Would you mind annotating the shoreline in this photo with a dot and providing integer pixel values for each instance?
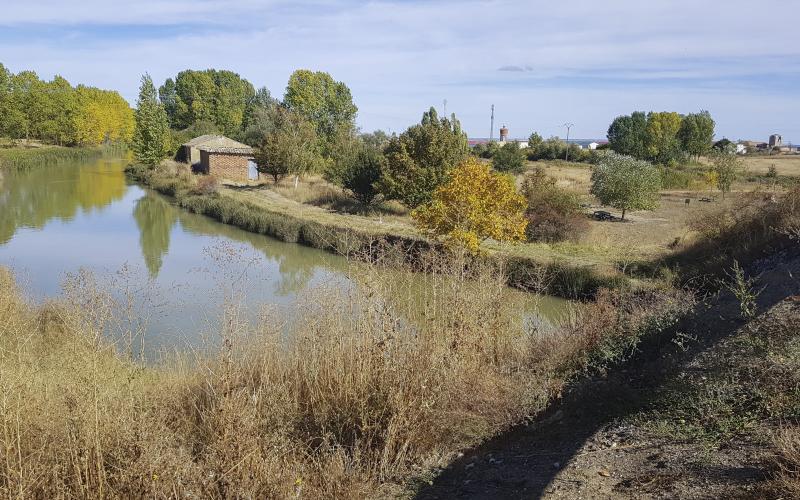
(558, 278)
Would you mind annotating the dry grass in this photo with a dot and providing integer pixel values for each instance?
(787, 478)
(372, 385)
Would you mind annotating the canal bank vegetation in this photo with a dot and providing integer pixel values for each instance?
(22, 158)
(357, 236)
(351, 399)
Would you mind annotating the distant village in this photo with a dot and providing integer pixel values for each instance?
(773, 145)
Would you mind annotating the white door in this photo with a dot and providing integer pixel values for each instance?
(252, 172)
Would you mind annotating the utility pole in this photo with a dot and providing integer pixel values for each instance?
(569, 126)
(491, 130)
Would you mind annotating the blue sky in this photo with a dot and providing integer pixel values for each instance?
(541, 63)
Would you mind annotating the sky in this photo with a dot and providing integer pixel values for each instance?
(541, 63)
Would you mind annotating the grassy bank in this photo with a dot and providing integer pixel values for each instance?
(24, 158)
(336, 404)
(360, 237)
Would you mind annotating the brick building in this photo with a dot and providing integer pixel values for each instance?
(235, 164)
(221, 157)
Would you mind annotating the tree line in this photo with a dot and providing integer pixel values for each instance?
(666, 138)
(55, 112)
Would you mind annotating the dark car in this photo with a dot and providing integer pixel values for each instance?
(602, 215)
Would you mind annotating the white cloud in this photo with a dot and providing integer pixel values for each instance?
(582, 61)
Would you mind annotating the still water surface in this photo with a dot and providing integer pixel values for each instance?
(181, 267)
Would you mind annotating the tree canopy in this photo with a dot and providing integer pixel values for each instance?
(662, 137)
(421, 158)
(291, 148)
(625, 183)
(697, 133)
(55, 112)
(218, 96)
(509, 158)
(151, 139)
(321, 100)
(475, 204)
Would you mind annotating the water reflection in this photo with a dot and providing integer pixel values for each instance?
(59, 219)
(32, 198)
(154, 218)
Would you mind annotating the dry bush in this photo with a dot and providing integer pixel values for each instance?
(756, 223)
(206, 185)
(371, 384)
(787, 477)
(553, 214)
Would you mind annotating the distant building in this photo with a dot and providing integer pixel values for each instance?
(503, 134)
(741, 149)
(593, 145)
(775, 141)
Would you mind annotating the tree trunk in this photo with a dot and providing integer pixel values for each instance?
(623, 214)
(296, 180)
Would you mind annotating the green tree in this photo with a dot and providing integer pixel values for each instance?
(5, 99)
(151, 139)
(535, 140)
(724, 144)
(421, 158)
(360, 178)
(377, 139)
(168, 95)
(509, 158)
(727, 168)
(697, 133)
(291, 148)
(627, 135)
(625, 183)
(321, 100)
(218, 96)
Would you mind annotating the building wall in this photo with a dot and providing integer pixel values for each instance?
(225, 165)
(192, 155)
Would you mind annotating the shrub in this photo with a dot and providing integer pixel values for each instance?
(553, 214)
(509, 158)
(360, 176)
(206, 185)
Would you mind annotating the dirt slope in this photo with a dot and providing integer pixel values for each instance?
(689, 417)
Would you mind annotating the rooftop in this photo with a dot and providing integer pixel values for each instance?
(213, 143)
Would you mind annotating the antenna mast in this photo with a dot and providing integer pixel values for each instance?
(491, 130)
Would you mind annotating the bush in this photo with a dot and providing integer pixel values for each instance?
(509, 158)
(553, 214)
(206, 184)
(361, 175)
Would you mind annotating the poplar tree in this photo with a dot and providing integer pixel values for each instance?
(151, 139)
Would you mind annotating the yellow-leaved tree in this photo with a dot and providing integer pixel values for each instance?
(474, 205)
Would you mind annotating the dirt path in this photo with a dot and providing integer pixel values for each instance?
(601, 440)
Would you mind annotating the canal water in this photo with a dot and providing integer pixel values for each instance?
(174, 270)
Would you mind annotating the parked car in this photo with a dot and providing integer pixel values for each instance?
(603, 215)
